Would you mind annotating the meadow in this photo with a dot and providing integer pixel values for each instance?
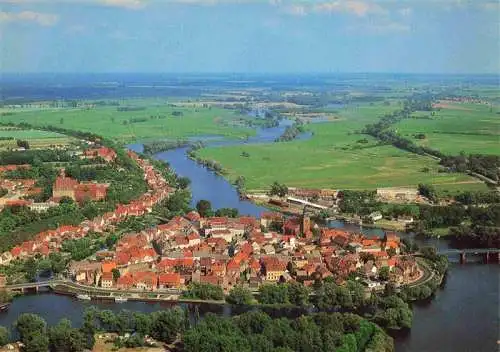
(455, 128)
(335, 157)
(146, 119)
(36, 138)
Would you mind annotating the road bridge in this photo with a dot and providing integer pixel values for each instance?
(488, 254)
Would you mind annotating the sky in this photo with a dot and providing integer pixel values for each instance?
(250, 36)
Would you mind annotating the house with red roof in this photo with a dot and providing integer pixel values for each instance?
(169, 280)
(104, 153)
(225, 234)
(146, 280)
(194, 239)
(4, 168)
(125, 282)
(16, 251)
(193, 216)
(69, 187)
(267, 218)
(108, 266)
(107, 280)
(233, 267)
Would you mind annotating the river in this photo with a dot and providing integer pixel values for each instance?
(462, 317)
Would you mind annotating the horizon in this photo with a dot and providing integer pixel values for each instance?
(250, 37)
(277, 74)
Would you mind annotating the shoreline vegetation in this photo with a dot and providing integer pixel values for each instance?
(153, 147)
(445, 171)
(250, 331)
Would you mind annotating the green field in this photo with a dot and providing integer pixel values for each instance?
(36, 138)
(111, 123)
(334, 158)
(471, 128)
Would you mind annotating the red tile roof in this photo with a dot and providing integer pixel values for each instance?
(169, 279)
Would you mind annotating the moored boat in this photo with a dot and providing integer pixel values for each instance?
(83, 297)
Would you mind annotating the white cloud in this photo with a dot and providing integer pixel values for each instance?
(129, 4)
(296, 10)
(43, 19)
(357, 8)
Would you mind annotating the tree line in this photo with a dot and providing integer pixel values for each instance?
(291, 132)
(487, 165)
(253, 331)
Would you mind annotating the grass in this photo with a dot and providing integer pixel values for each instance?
(471, 128)
(333, 158)
(445, 190)
(109, 122)
(36, 138)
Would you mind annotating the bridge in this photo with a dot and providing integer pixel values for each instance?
(487, 253)
(33, 285)
(306, 203)
(72, 287)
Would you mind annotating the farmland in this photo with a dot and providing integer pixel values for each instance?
(455, 128)
(137, 120)
(335, 157)
(36, 138)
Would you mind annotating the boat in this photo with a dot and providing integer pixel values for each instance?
(4, 307)
(121, 299)
(83, 297)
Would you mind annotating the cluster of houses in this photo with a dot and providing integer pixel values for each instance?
(78, 191)
(242, 251)
(51, 240)
(18, 192)
(105, 153)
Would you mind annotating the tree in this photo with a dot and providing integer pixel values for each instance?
(383, 273)
(326, 296)
(30, 269)
(357, 291)
(298, 294)
(278, 190)
(4, 336)
(229, 212)
(36, 342)
(167, 324)
(239, 295)
(204, 208)
(427, 191)
(204, 291)
(58, 262)
(23, 144)
(142, 323)
(253, 322)
(88, 327)
(45, 266)
(64, 338)
(183, 182)
(28, 323)
(32, 332)
(116, 274)
(273, 294)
